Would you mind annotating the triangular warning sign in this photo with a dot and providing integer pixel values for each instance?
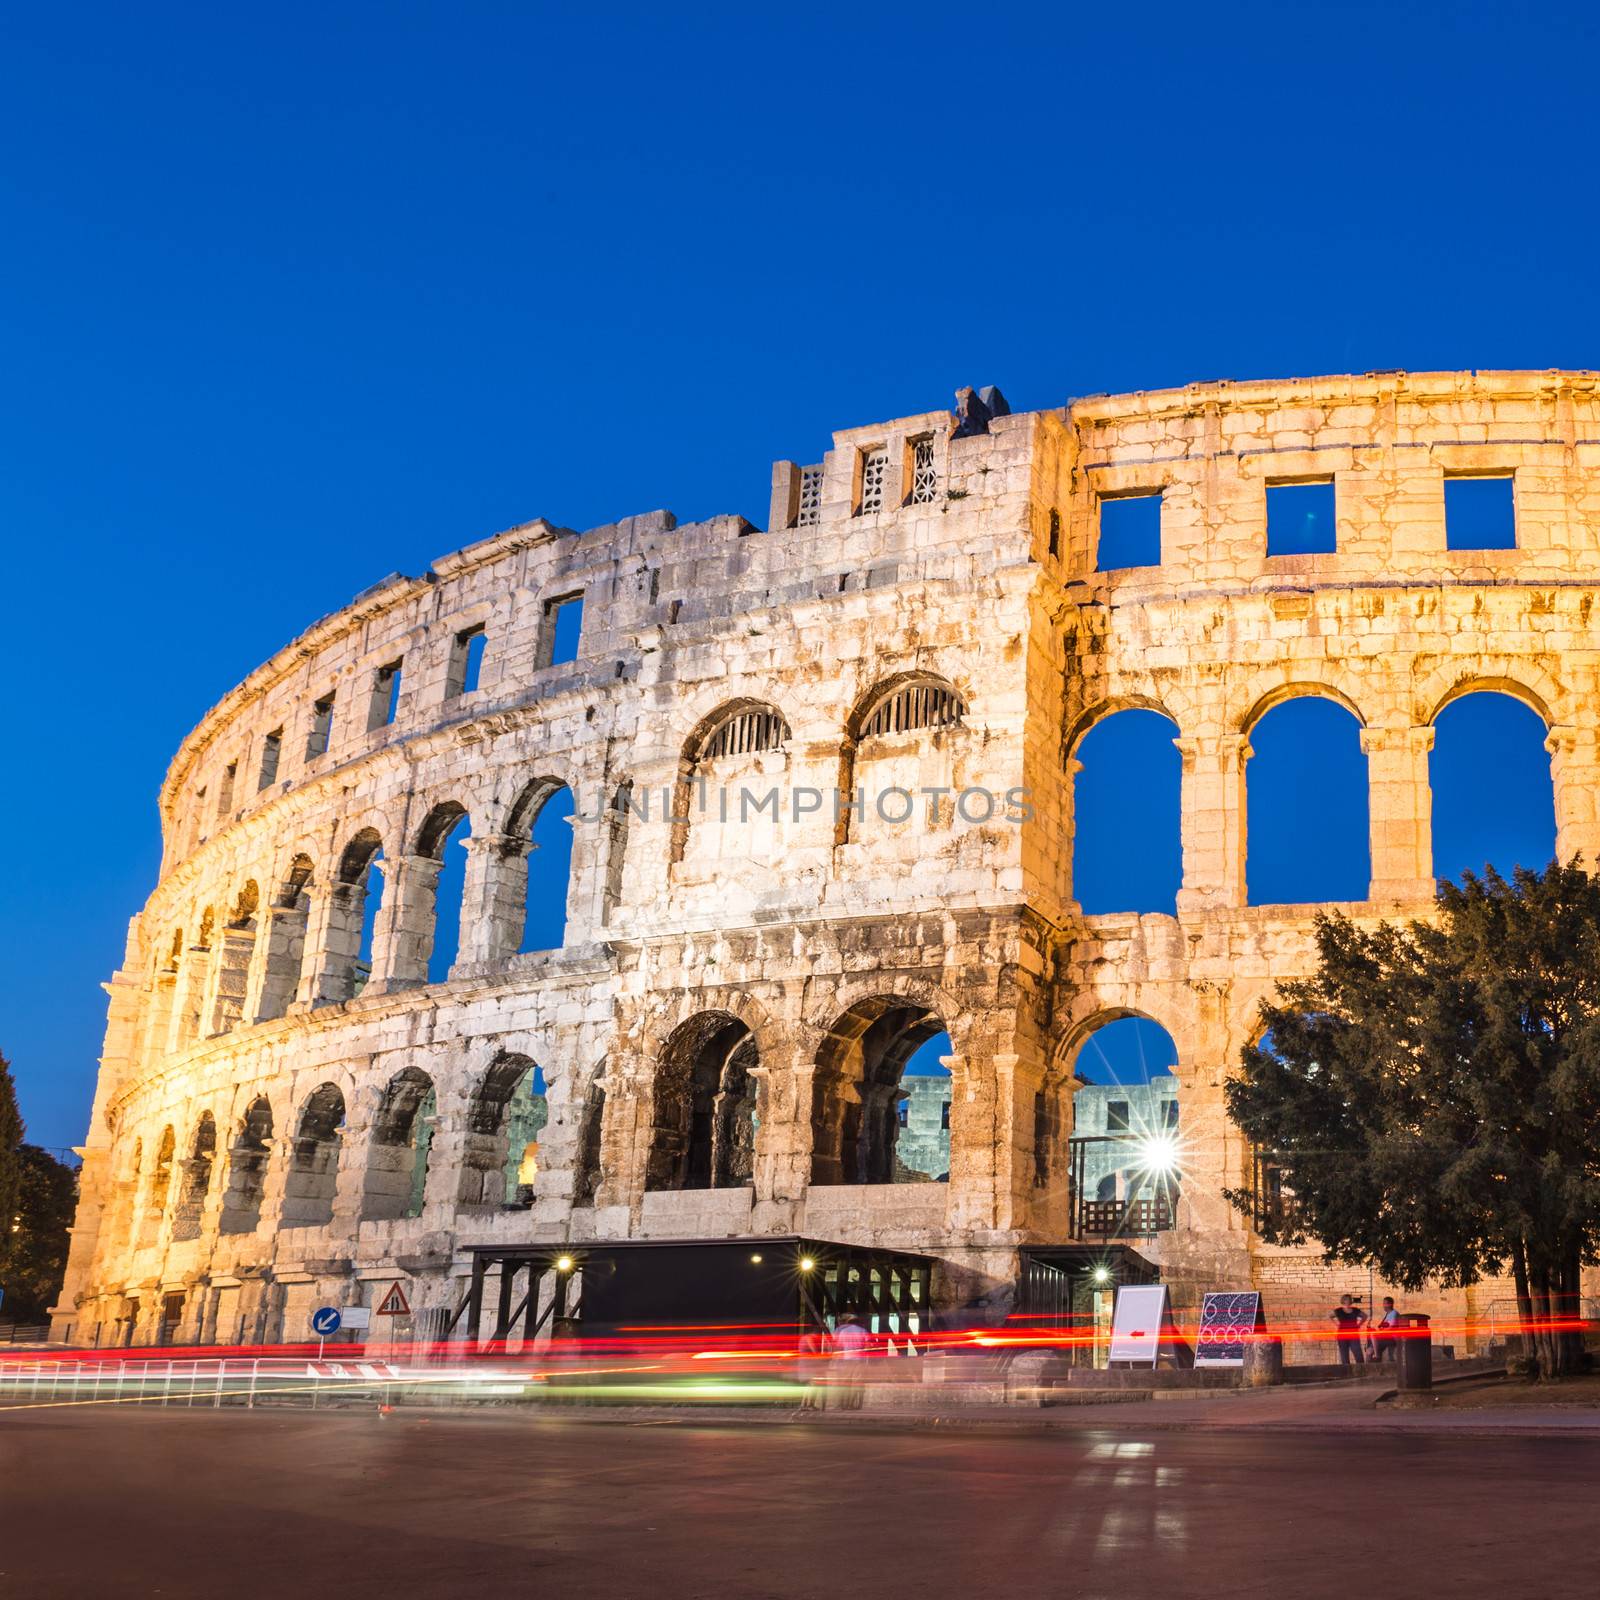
(394, 1303)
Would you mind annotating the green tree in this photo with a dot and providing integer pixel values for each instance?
(11, 1131)
(33, 1255)
(1431, 1095)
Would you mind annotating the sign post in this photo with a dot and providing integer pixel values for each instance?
(1229, 1319)
(1141, 1315)
(325, 1320)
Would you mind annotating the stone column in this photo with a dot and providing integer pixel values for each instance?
(783, 1144)
(1213, 821)
(1399, 813)
(1067, 804)
(494, 901)
(982, 1149)
(1575, 778)
(403, 937)
(280, 960)
(333, 940)
(235, 946)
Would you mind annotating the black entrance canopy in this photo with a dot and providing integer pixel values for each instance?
(1055, 1278)
(650, 1286)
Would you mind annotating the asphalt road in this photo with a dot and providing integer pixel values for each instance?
(406, 1507)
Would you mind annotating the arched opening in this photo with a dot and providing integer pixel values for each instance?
(922, 1115)
(1493, 801)
(549, 872)
(402, 1133)
(856, 1118)
(247, 1170)
(353, 917)
(286, 941)
(192, 977)
(443, 838)
(313, 1176)
(160, 1188)
(238, 945)
(894, 746)
(1126, 1144)
(196, 1184)
(705, 1106)
(1306, 806)
(507, 1114)
(588, 1171)
(1127, 846)
(724, 775)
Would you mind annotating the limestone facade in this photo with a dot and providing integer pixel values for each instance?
(720, 1032)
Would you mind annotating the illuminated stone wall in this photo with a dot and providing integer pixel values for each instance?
(912, 561)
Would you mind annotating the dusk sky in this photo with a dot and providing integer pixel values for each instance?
(295, 297)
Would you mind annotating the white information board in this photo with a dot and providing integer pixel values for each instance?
(1141, 1312)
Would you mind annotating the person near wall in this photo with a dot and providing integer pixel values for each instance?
(850, 1341)
(1385, 1330)
(1350, 1319)
(815, 1347)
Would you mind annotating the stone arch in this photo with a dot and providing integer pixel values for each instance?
(735, 731)
(1491, 777)
(1126, 812)
(1087, 720)
(284, 958)
(1307, 778)
(312, 1179)
(909, 701)
(195, 1182)
(354, 904)
(501, 1133)
(535, 868)
(1265, 692)
(1125, 1150)
(856, 1091)
(588, 1166)
(397, 1158)
(430, 913)
(235, 953)
(704, 1105)
(1519, 678)
(441, 821)
(159, 1190)
(247, 1169)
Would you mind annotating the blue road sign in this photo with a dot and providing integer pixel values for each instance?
(325, 1321)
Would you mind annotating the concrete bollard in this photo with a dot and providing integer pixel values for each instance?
(1263, 1363)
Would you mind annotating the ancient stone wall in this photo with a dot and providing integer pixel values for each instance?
(744, 937)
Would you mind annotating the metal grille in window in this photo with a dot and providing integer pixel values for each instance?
(918, 705)
(924, 481)
(744, 733)
(874, 467)
(810, 497)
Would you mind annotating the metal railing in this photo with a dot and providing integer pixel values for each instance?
(24, 1333)
(52, 1381)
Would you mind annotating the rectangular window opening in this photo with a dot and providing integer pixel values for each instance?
(466, 662)
(563, 624)
(1116, 1116)
(320, 733)
(1480, 513)
(1130, 531)
(230, 774)
(271, 751)
(385, 703)
(924, 480)
(810, 497)
(874, 470)
(1300, 519)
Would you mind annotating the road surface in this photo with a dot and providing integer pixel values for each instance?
(407, 1507)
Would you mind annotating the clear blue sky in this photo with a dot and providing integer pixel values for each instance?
(296, 296)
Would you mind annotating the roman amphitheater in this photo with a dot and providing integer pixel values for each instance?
(816, 787)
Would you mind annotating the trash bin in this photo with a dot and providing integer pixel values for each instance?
(1415, 1351)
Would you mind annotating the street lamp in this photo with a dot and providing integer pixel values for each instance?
(563, 1263)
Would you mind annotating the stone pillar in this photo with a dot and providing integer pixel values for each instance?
(1399, 813)
(403, 937)
(235, 946)
(333, 941)
(1575, 778)
(1213, 821)
(494, 901)
(783, 1143)
(982, 1150)
(1067, 811)
(191, 986)
(280, 959)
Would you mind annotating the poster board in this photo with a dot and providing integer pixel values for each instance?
(1141, 1313)
(1229, 1318)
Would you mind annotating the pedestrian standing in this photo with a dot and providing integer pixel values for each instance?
(814, 1349)
(1350, 1319)
(850, 1342)
(1380, 1343)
